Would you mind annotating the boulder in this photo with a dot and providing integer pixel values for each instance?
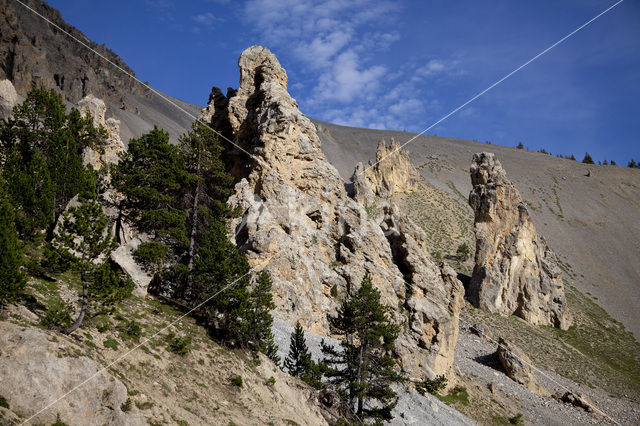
(8, 99)
(578, 400)
(518, 366)
(300, 225)
(515, 272)
(36, 372)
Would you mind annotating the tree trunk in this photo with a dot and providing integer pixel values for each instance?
(83, 311)
(194, 216)
(360, 361)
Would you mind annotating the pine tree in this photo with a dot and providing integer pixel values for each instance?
(362, 369)
(31, 191)
(206, 199)
(587, 159)
(40, 126)
(11, 278)
(298, 361)
(258, 335)
(632, 164)
(84, 232)
(520, 146)
(573, 158)
(298, 358)
(152, 177)
(613, 163)
(221, 273)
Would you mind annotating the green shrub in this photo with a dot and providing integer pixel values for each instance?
(57, 315)
(109, 284)
(237, 381)
(516, 420)
(144, 405)
(112, 343)
(56, 261)
(178, 345)
(151, 254)
(432, 386)
(463, 252)
(334, 290)
(457, 394)
(102, 323)
(126, 406)
(129, 330)
(270, 381)
(4, 403)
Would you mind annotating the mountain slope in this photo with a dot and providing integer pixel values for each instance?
(591, 222)
(34, 53)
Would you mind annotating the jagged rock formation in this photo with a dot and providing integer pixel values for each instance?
(515, 272)
(34, 371)
(518, 366)
(97, 108)
(384, 178)
(8, 99)
(316, 242)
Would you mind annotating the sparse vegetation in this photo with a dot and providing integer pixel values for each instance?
(236, 381)
(111, 343)
(432, 386)
(178, 345)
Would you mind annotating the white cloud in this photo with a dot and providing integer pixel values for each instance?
(407, 107)
(206, 19)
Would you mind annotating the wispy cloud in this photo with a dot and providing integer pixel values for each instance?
(336, 42)
(205, 20)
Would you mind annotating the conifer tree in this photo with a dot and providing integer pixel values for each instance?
(298, 361)
(298, 358)
(40, 126)
(258, 335)
(632, 164)
(362, 369)
(587, 159)
(207, 197)
(520, 146)
(84, 232)
(573, 157)
(11, 278)
(152, 177)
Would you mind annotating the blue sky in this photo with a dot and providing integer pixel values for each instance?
(403, 65)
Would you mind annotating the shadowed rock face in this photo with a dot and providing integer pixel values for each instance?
(515, 273)
(317, 243)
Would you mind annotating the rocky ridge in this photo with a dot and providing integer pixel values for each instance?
(515, 272)
(299, 224)
(385, 178)
(114, 145)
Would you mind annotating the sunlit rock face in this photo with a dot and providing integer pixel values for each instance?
(515, 272)
(299, 223)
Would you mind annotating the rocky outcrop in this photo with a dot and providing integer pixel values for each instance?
(518, 366)
(394, 175)
(299, 223)
(35, 372)
(578, 400)
(114, 145)
(8, 99)
(515, 272)
(36, 54)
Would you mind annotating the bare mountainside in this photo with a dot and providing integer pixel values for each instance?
(34, 53)
(591, 222)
